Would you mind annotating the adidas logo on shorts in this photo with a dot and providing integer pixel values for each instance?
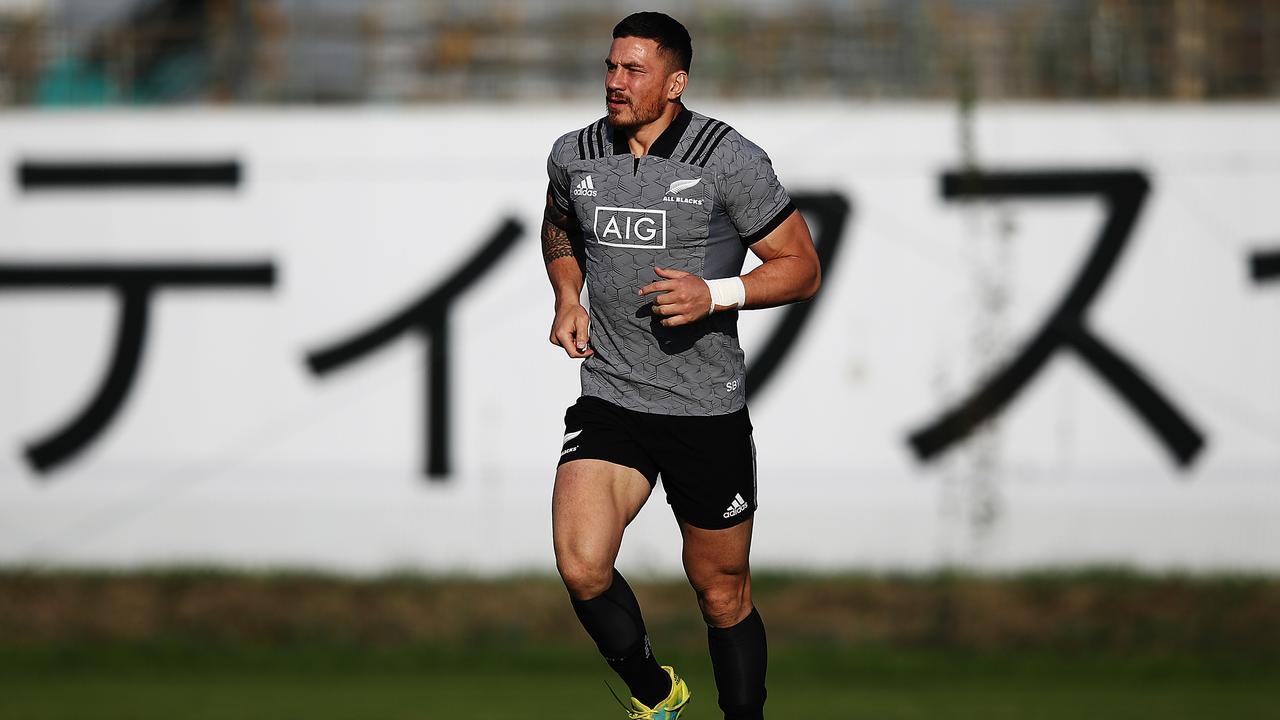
(586, 188)
(736, 507)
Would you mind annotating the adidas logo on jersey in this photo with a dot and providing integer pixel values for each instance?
(736, 507)
(586, 188)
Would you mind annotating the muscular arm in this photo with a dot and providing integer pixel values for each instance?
(789, 272)
(562, 252)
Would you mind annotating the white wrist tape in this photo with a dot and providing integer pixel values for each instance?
(727, 292)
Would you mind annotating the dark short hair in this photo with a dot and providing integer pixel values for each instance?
(661, 28)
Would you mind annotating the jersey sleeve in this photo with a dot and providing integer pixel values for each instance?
(558, 176)
(750, 192)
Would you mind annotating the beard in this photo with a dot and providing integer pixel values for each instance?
(635, 113)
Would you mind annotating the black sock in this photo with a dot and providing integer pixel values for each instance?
(613, 620)
(739, 657)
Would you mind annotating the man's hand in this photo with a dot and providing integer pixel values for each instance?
(562, 251)
(570, 330)
(684, 297)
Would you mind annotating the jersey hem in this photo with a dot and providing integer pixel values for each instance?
(621, 401)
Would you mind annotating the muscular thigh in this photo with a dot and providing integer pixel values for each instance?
(712, 556)
(719, 569)
(603, 480)
(592, 503)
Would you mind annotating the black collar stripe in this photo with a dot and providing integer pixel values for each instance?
(670, 138)
(600, 139)
(619, 142)
(666, 143)
(696, 138)
(582, 150)
(713, 127)
(711, 150)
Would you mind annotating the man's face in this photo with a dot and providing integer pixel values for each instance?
(637, 82)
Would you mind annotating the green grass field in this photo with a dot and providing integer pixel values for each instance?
(213, 646)
(332, 684)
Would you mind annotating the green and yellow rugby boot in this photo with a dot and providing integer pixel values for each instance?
(670, 708)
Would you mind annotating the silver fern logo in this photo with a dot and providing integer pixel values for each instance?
(680, 186)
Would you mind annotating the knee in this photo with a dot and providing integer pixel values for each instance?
(584, 579)
(724, 604)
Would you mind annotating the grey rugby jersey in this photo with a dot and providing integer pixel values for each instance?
(694, 203)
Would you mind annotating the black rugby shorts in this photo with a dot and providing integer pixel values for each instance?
(707, 463)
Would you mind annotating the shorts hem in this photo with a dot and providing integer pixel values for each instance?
(653, 480)
(719, 523)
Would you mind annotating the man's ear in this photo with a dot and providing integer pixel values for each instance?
(676, 83)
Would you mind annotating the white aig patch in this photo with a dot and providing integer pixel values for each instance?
(631, 227)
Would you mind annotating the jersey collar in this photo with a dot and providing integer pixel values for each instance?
(666, 143)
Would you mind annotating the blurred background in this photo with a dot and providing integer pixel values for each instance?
(96, 52)
(278, 417)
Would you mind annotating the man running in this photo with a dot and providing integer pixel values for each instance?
(653, 207)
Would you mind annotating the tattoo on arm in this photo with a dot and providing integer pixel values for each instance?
(557, 240)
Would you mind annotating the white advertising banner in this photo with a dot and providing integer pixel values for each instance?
(318, 339)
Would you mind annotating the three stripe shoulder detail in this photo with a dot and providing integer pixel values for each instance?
(705, 143)
(591, 141)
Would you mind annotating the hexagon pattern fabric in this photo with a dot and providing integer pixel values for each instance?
(694, 203)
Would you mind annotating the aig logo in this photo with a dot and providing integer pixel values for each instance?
(631, 227)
